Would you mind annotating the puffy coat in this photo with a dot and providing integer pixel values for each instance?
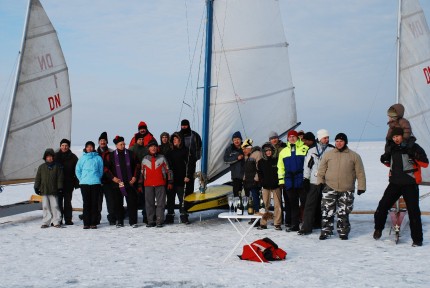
(156, 171)
(290, 165)
(250, 178)
(49, 179)
(236, 166)
(268, 171)
(340, 169)
(312, 161)
(89, 169)
(406, 170)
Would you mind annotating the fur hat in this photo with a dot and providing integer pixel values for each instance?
(236, 135)
(342, 136)
(309, 136)
(247, 143)
(103, 136)
(292, 133)
(273, 135)
(142, 125)
(48, 152)
(322, 133)
(268, 146)
(396, 131)
(66, 141)
(118, 139)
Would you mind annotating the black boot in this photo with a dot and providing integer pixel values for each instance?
(170, 219)
(184, 219)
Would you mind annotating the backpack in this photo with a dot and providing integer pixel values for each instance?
(265, 248)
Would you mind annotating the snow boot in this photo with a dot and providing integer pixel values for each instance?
(377, 234)
(417, 244)
(184, 219)
(170, 219)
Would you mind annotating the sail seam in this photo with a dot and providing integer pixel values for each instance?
(283, 44)
(40, 34)
(40, 119)
(256, 97)
(416, 64)
(41, 77)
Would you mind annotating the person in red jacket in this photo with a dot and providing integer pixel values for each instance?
(143, 130)
(156, 174)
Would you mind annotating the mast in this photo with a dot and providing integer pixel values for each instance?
(207, 87)
(15, 88)
(399, 23)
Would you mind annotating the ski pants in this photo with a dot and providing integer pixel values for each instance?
(51, 210)
(313, 204)
(296, 196)
(152, 194)
(343, 203)
(90, 199)
(411, 195)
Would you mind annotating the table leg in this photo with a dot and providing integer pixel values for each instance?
(242, 239)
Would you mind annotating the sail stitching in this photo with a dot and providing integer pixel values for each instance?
(40, 34)
(258, 96)
(44, 76)
(282, 45)
(40, 119)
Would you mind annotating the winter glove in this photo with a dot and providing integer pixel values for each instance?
(37, 191)
(359, 192)
(306, 184)
(385, 159)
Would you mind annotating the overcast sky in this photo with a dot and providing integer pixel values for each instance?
(129, 61)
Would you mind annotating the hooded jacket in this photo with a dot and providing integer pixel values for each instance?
(250, 178)
(290, 164)
(401, 122)
(89, 169)
(268, 170)
(179, 160)
(236, 166)
(49, 178)
(312, 161)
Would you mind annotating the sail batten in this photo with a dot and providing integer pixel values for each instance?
(277, 45)
(41, 107)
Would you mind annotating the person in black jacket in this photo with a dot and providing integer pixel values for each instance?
(67, 159)
(405, 174)
(233, 156)
(193, 143)
(179, 160)
(268, 176)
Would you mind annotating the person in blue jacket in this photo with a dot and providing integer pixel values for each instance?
(89, 171)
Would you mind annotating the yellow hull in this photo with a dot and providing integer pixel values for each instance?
(215, 197)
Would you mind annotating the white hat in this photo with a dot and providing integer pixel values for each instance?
(322, 133)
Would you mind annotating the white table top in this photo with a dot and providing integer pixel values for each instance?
(233, 215)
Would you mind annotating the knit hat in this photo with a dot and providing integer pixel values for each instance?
(236, 135)
(273, 135)
(65, 141)
(48, 152)
(342, 136)
(152, 142)
(322, 133)
(118, 139)
(142, 125)
(396, 131)
(185, 122)
(103, 136)
(309, 136)
(247, 143)
(292, 133)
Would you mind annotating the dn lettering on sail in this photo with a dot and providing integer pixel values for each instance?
(45, 61)
(54, 103)
(417, 27)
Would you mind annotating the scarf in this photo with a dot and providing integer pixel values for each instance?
(118, 170)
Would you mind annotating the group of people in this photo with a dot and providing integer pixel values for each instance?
(142, 174)
(311, 181)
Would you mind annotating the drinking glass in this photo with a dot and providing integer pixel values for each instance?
(245, 202)
(230, 202)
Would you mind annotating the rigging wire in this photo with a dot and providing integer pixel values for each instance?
(372, 106)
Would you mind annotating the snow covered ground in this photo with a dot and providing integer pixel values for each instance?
(191, 256)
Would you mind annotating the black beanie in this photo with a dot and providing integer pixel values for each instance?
(65, 141)
(103, 136)
(90, 143)
(152, 142)
(396, 131)
(185, 122)
(342, 136)
(309, 136)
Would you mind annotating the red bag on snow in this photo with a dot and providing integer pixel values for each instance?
(265, 248)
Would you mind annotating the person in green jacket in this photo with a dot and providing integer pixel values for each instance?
(48, 183)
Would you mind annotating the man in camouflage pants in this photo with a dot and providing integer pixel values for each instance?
(338, 170)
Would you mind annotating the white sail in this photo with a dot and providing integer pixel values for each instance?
(41, 107)
(252, 88)
(414, 73)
